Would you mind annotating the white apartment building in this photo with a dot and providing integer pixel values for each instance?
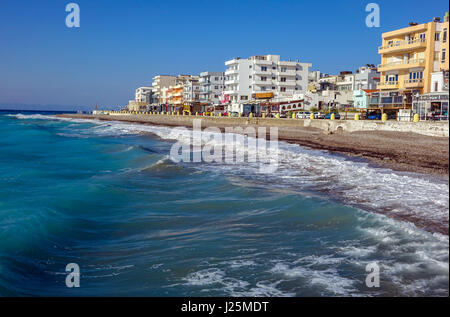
(264, 77)
(144, 94)
(367, 77)
(160, 82)
(212, 85)
(191, 91)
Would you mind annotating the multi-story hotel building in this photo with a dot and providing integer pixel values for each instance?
(264, 77)
(144, 94)
(408, 58)
(174, 97)
(367, 77)
(191, 91)
(160, 82)
(212, 85)
(185, 91)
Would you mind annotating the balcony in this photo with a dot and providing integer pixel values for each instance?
(231, 62)
(262, 62)
(414, 83)
(289, 72)
(231, 72)
(232, 82)
(402, 46)
(262, 72)
(290, 83)
(388, 85)
(230, 92)
(402, 65)
(262, 82)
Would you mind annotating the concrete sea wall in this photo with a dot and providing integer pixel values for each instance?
(437, 129)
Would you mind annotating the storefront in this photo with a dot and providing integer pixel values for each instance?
(431, 106)
(389, 102)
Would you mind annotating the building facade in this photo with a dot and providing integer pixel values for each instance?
(160, 82)
(264, 77)
(144, 94)
(408, 58)
(434, 105)
(212, 84)
(367, 77)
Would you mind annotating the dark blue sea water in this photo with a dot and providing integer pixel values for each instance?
(105, 195)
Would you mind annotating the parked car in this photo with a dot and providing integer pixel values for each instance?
(303, 115)
(283, 115)
(336, 115)
(235, 114)
(374, 116)
(318, 115)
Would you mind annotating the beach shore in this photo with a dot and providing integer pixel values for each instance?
(401, 151)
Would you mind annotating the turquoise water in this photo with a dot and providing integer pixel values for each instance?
(106, 196)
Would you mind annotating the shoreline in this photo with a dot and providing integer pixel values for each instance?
(399, 151)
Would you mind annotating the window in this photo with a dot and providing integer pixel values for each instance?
(216, 87)
(436, 36)
(274, 78)
(273, 67)
(443, 56)
(283, 79)
(250, 76)
(263, 78)
(283, 69)
(263, 68)
(283, 89)
(273, 87)
(244, 97)
(249, 66)
(422, 36)
(444, 36)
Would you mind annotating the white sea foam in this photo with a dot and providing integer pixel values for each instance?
(205, 277)
(402, 249)
(217, 278)
(355, 183)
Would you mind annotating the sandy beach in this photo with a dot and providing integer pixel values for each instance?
(401, 151)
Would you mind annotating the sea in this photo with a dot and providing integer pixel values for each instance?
(107, 197)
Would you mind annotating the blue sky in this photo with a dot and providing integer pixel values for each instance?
(122, 44)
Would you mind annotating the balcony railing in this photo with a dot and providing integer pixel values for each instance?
(262, 82)
(412, 43)
(267, 72)
(400, 64)
(287, 83)
(418, 82)
(232, 81)
(287, 73)
(231, 71)
(388, 84)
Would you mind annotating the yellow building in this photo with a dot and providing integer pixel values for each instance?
(408, 57)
